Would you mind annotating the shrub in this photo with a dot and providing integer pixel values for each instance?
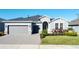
(70, 28)
(43, 34)
(1, 33)
(58, 32)
(65, 33)
(70, 33)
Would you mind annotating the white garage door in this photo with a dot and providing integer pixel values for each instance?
(18, 30)
(76, 28)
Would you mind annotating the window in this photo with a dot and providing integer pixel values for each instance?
(61, 25)
(56, 25)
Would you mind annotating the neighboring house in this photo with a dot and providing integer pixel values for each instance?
(33, 24)
(75, 25)
(1, 25)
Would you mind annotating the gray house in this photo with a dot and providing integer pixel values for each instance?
(2, 25)
(75, 25)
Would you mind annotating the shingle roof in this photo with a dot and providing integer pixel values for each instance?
(31, 18)
(74, 22)
(1, 19)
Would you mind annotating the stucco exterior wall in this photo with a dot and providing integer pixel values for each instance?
(52, 24)
(47, 19)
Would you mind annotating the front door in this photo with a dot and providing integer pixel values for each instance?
(45, 25)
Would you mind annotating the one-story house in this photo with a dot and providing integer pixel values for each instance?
(75, 25)
(33, 24)
(1, 25)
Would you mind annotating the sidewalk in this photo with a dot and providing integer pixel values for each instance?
(23, 46)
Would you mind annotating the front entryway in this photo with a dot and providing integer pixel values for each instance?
(45, 25)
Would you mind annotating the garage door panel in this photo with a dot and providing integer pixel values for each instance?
(18, 30)
(76, 28)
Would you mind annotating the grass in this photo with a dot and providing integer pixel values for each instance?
(61, 40)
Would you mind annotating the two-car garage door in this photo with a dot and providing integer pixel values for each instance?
(18, 30)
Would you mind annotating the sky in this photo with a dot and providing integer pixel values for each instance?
(68, 14)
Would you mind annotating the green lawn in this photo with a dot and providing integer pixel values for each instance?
(61, 40)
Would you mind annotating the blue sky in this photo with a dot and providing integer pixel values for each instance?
(69, 14)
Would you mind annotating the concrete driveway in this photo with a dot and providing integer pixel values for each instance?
(20, 39)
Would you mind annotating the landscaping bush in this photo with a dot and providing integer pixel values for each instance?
(70, 28)
(58, 32)
(1, 33)
(70, 33)
(43, 34)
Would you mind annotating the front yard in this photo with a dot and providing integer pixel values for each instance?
(61, 40)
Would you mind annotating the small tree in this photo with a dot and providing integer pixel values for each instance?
(70, 28)
(44, 33)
